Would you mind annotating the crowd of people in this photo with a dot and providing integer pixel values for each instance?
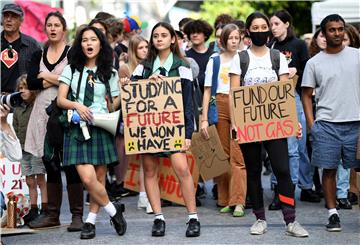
(85, 75)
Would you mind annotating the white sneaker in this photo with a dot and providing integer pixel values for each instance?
(259, 227)
(142, 202)
(296, 230)
(149, 209)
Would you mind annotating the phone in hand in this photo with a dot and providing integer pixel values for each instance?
(233, 134)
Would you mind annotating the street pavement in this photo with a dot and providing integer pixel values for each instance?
(216, 228)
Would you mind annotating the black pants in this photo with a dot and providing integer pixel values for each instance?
(279, 159)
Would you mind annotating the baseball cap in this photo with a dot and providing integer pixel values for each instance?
(14, 8)
(130, 25)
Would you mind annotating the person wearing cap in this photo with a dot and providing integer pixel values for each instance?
(16, 47)
(131, 27)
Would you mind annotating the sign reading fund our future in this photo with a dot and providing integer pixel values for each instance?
(153, 116)
(264, 112)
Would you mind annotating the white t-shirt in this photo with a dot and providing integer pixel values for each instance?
(336, 80)
(260, 68)
(223, 85)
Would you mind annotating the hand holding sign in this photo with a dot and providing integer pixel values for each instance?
(153, 116)
(265, 111)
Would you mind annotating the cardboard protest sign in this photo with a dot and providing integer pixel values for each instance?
(210, 156)
(153, 116)
(168, 182)
(265, 111)
(11, 177)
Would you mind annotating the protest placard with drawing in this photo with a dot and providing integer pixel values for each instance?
(265, 111)
(153, 116)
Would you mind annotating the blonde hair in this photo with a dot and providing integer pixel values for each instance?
(133, 59)
(21, 81)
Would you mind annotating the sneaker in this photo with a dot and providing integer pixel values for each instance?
(296, 230)
(259, 227)
(149, 209)
(334, 223)
(352, 197)
(87, 231)
(193, 229)
(239, 211)
(142, 202)
(118, 219)
(309, 196)
(158, 228)
(344, 203)
(226, 209)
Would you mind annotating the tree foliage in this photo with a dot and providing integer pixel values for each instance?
(300, 10)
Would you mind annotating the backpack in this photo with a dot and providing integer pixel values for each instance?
(245, 60)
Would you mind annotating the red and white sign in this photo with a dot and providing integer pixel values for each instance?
(5, 57)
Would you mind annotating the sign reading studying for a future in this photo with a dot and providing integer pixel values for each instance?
(264, 112)
(153, 116)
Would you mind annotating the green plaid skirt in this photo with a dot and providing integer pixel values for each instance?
(100, 149)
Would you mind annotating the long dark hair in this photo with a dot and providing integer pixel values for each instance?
(285, 16)
(153, 52)
(77, 58)
(62, 20)
(253, 16)
(59, 16)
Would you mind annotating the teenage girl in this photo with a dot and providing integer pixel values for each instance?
(91, 61)
(232, 185)
(165, 60)
(260, 71)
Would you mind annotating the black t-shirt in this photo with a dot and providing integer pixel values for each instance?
(296, 53)
(202, 60)
(9, 64)
(120, 48)
(33, 82)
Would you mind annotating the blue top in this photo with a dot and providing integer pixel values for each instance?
(99, 103)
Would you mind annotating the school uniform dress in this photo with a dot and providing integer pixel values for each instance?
(100, 148)
(172, 67)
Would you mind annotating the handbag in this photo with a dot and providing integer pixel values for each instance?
(213, 117)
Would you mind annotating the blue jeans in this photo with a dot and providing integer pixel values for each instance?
(342, 182)
(300, 168)
(306, 170)
(294, 149)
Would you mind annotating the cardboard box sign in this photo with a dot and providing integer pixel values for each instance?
(168, 181)
(264, 112)
(209, 154)
(153, 116)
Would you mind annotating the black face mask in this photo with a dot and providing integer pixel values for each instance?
(259, 38)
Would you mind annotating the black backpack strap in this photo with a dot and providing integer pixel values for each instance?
(107, 86)
(78, 85)
(275, 60)
(244, 65)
